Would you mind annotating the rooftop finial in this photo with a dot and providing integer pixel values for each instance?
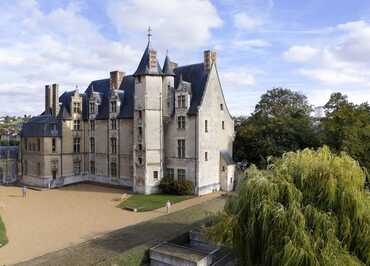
(149, 34)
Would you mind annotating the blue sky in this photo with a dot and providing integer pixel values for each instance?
(313, 46)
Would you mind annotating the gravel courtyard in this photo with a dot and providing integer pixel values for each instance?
(50, 220)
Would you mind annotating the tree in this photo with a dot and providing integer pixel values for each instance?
(346, 127)
(281, 122)
(308, 208)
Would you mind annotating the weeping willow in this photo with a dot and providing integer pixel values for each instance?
(309, 208)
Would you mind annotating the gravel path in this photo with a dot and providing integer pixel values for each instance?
(52, 220)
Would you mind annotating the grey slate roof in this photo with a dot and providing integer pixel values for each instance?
(64, 114)
(197, 76)
(12, 151)
(42, 126)
(167, 67)
(126, 93)
(143, 68)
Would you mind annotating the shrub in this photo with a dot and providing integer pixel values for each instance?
(175, 187)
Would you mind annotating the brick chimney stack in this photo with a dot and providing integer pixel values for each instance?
(209, 59)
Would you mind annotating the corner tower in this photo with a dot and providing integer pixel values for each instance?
(148, 124)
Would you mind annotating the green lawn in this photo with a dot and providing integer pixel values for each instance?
(3, 238)
(145, 203)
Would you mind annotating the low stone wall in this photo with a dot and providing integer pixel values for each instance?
(68, 180)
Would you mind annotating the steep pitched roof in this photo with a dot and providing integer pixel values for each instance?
(197, 76)
(42, 126)
(143, 68)
(125, 93)
(168, 67)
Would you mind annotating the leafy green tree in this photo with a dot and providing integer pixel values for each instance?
(346, 127)
(281, 122)
(308, 208)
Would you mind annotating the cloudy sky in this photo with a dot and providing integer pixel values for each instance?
(312, 46)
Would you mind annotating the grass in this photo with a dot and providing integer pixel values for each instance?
(3, 238)
(145, 203)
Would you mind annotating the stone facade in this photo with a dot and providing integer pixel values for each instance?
(134, 130)
(8, 164)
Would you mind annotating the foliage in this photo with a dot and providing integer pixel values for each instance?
(3, 237)
(145, 203)
(346, 127)
(176, 187)
(281, 122)
(308, 208)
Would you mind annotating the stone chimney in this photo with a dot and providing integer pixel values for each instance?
(52, 99)
(55, 99)
(209, 59)
(48, 98)
(116, 78)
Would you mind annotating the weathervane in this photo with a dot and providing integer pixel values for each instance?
(149, 33)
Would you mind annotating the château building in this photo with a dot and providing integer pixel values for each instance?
(133, 130)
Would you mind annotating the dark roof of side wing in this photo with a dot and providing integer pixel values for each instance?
(42, 126)
(197, 76)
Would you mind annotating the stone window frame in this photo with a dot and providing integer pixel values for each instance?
(181, 122)
(92, 145)
(76, 145)
(113, 145)
(170, 172)
(181, 174)
(77, 125)
(53, 145)
(181, 148)
(155, 175)
(113, 123)
(113, 169)
(92, 167)
(92, 125)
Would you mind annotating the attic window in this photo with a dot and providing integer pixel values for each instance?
(181, 101)
(76, 107)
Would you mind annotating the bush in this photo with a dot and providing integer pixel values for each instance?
(175, 187)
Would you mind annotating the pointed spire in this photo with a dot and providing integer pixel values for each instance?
(149, 64)
(168, 66)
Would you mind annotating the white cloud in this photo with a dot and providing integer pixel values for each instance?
(249, 22)
(251, 44)
(237, 78)
(300, 53)
(343, 58)
(175, 23)
(61, 46)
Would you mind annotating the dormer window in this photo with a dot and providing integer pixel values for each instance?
(77, 107)
(113, 105)
(181, 101)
